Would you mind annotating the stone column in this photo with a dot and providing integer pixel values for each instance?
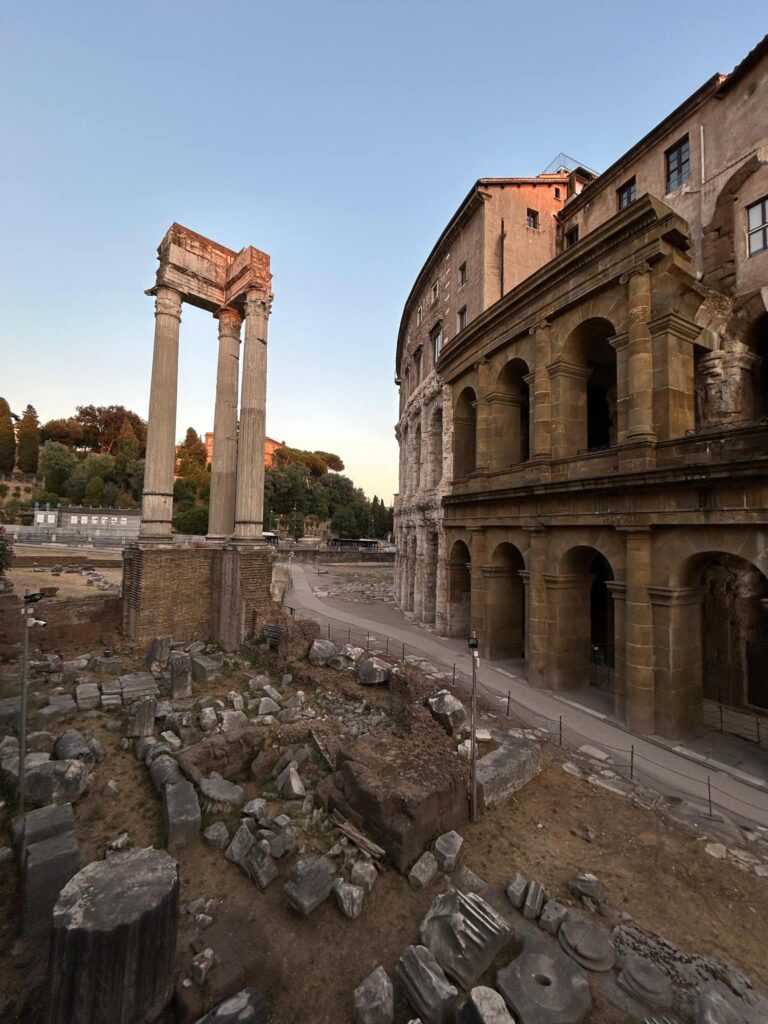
(479, 595)
(249, 500)
(678, 659)
(538, 609)
(483, 416)
(541, 442)
(640, 361)
(638, 634)
(420, 567)
(221, 519)
(618, 594)
(569, 649)
(441, 588)
(157, 496)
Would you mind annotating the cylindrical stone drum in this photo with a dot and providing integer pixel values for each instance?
(114, 940)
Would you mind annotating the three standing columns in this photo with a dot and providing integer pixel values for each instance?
(221, 517)
(157, 495)
(249, 498)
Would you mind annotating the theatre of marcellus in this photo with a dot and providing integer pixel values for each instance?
(583, 374)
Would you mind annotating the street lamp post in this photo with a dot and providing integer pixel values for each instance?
(472, 644)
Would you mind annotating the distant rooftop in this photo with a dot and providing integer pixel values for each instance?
(563, 162)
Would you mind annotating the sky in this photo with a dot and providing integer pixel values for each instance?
(337, 136)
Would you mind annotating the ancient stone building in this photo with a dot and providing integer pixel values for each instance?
(601, 502)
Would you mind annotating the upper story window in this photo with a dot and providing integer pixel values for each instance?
(462, 274)
(678, 164)
(571, 237)
(419, 315)
(461, 318)
(417, 365)
(436, 337)
(557, 192)
(627, 194)
(757, 227)
(532, 219)
(435, 291)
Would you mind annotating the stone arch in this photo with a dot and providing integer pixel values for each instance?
(505, 597)
(459, 590)
(588, 392)
(465, 434)
(509, 404)
(584, 640)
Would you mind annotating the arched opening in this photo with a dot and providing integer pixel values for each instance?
(465, 434)
(734, 632)
(510, 412)
(459, 590)
(506, 604)
(589, 399)
(757, 343)
(583, 636)
(436, 448)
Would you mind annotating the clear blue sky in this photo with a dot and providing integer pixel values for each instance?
(337, 136)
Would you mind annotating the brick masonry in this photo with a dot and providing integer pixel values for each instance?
(71, 623)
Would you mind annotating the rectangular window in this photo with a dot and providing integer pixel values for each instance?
(417, 365)
(73, 519)
(627, 194)
(532, 219)
(123, 520)
(557, 192)
(571, 237)
(419, 315)
(113, 520)
(51, 519)
(94, 520)
(462, 318)
(434, 291)
(436, 336)
(83, 520)
(757, 227)
(678, 164)
(105, 520)
(462, 274)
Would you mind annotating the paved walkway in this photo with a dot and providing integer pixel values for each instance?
(740, 795)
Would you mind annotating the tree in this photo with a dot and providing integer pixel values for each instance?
(126, 452)
(136, 479)
(344, 523)
(94, 492)
(102, 424)
(7, 439)
(191, 453)
(110, 494)
(29, 441)
(6, 551)
(332, 461)
(56, 464)
(191, 520)
(66, 431)
(100, 465)
(74, 486)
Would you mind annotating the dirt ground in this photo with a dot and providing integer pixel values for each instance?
(653, 869)
(70, 584)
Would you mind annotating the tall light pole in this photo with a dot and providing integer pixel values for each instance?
(27, 611)
(472, 644)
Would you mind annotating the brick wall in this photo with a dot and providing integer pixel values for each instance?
(168, 590)
(72, 623)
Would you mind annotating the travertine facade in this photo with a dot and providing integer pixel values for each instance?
(603, 510)
(219, 587)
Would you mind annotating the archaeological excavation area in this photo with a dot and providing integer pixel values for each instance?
(283, 834)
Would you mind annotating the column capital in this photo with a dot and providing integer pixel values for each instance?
(167, 302)
(229, 320)
(638, 270)
(258, 302)
(545, 324)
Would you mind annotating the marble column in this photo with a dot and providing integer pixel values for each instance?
(249, 500)
(157, 496)
(221, 519)
(541, 442)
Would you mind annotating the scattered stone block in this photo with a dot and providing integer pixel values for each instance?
(219, 795)
(208, 719)
(72, 745)
(310, 884)
(373, 672)
(349, 898)
(449, 711)
(589, 888)
(201, 965)
(164, 771)
(646, 981)
(241, 843)
(543, 986)
(232, 721)
(205, 669)
(88, 696)
(259, 864)
(181, 814)
(217, 835)
(55, 782)
(141, 717)
(516, 891)
(423, 871)
(464, 934)
(268, 707)
(61, 708)
(245, 1007)
(257, 808)
(448, 850)
(375, 999)
(321, 651)
(484, 1006)
(171, 739)
(552, 916)
(425, 985)
(586, 943)
(535, 898)
(364, 874)
(507, 769)
(136, 685)
(47, 866)
(289, 782)
(465, 880)
(44, 823)
(107, 664)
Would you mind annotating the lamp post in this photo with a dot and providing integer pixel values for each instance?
(472, 644)
(27, 612)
